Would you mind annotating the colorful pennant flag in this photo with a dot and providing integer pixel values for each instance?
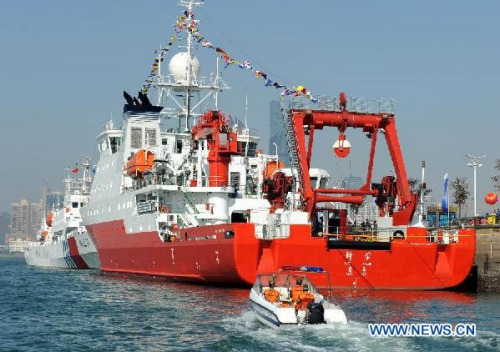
(186, 21)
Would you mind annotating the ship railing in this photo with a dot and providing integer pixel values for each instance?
(184, 221)
(357, 234)
(354, 104)
(200, 81)
(439, 236)
(244, 131)
(442, 236)
(368, 233)
(216, 179)
(188, 201)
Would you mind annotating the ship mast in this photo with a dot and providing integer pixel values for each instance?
(87, 178)
(189, 64)
(186, 82)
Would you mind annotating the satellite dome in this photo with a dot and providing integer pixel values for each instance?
(179, 63)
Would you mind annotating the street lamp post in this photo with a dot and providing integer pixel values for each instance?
(277, 159)
(475, 165)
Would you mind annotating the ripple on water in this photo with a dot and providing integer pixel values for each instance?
(60, 310)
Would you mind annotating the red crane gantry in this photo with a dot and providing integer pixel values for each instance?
(308, 121)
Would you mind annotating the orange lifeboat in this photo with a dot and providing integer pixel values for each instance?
(49, 219)
(272, 166)
(141, 161)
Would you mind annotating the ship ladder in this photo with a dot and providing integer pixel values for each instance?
(292, 145)
(189, 201)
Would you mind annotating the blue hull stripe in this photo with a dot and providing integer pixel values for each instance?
(265, 317)
(67, 257)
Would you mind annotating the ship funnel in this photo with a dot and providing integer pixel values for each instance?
(184, 68)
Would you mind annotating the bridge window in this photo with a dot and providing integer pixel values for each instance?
(178, 146)
(235, 179)
(151, 136)
(238, 217)
(136, 138)
(252, 149)
(223, 139)
(115, 144)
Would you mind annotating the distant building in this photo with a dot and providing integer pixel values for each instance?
(277, 133)
(51, 200)
(26, 218)
(17, 245)
(4, 226)
(352, 182)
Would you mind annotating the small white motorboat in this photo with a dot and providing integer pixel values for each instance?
(288, 297)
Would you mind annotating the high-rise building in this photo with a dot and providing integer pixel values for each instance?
(51, 200)
(4, 226)
(352, 182)
(26, 218)
(277, 136)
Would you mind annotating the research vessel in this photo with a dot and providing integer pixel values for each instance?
(63, 241)
(183, 192)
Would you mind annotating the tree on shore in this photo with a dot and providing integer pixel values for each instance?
(415, 186)
(496, 178)
(460, 192)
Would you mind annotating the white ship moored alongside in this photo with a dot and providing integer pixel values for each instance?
(63, 241)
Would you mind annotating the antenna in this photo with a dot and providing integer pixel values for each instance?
(246, 106)
(217, 78)
(246, 125)
(189, 63)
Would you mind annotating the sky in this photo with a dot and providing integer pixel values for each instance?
(64, 65)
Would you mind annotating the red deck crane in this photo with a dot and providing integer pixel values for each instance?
(222, 143)
(307, 122)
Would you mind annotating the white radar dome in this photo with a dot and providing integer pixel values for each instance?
(179, 65)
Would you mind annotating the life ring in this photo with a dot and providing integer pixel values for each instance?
(164, 209)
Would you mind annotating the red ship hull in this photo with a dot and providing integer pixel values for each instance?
(207, 254)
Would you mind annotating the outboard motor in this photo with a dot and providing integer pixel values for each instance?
(316, 313)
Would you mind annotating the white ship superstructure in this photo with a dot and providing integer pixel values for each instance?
(63, 241)
(187, 175)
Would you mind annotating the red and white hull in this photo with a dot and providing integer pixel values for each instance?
(208, 254)
(76, 252)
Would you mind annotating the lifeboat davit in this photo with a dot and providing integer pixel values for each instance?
(140, 162)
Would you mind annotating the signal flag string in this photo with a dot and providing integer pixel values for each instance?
(187, 22)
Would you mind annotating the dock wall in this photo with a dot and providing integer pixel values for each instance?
(487, 258)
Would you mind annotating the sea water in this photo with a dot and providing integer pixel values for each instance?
(71, 310)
